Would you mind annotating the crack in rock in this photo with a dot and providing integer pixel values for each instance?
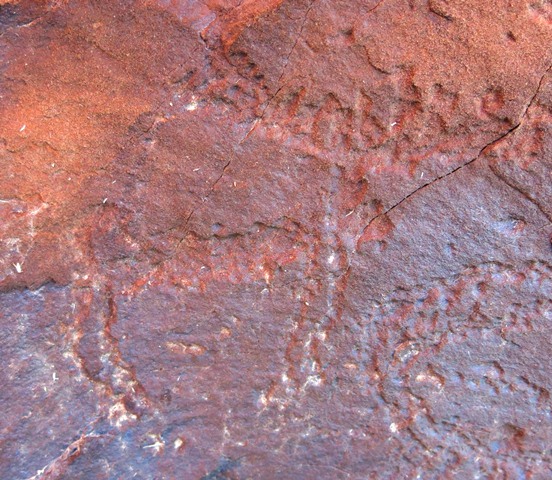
(482, 151)
(282, 73)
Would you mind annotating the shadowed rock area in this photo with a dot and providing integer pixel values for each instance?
(275, 239)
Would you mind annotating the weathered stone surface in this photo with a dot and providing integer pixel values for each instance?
(275, 239)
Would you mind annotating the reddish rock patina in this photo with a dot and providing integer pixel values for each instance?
(275, 239)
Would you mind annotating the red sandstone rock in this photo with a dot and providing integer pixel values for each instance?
(275, 239)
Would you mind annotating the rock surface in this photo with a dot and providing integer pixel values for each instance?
(275, 239)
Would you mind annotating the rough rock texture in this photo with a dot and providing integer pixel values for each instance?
(275, 239)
